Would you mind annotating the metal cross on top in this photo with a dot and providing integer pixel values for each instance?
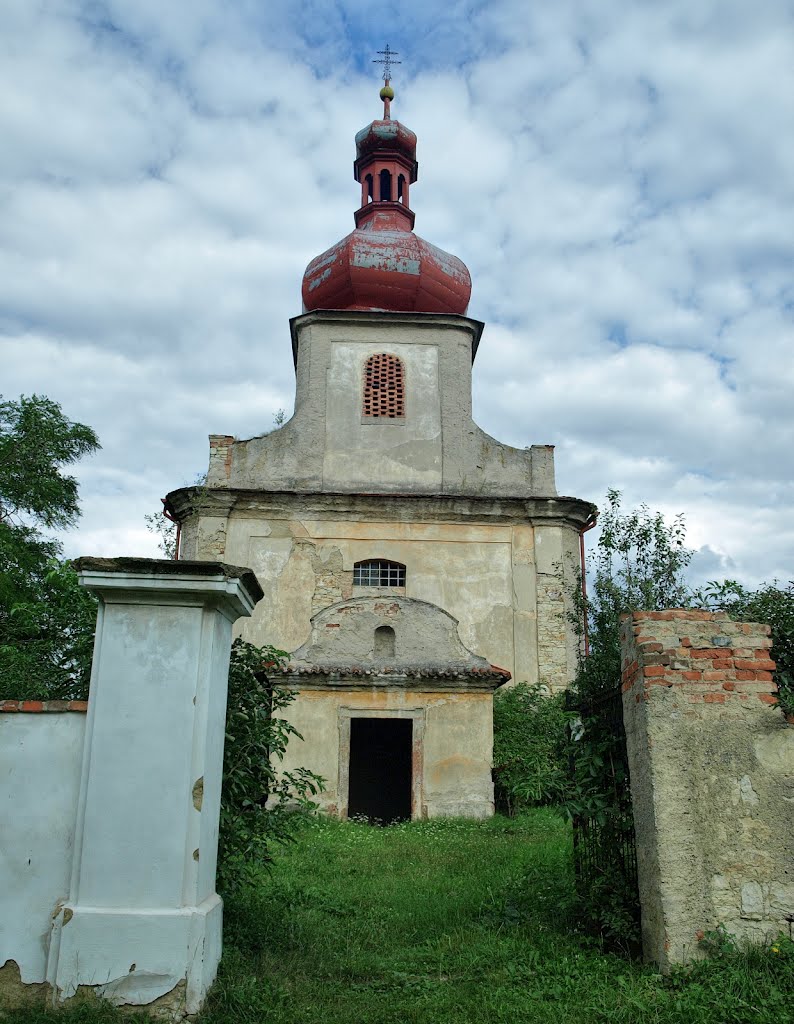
(387, 62)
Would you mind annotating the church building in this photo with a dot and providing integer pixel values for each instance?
(410, 562)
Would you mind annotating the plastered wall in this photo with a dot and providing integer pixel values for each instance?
(41, 749)
(509, 586)
(456, 746)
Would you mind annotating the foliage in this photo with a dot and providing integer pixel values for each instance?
(638, 564)
(165, 531)
(258, 801)
(530, 765)
(46, 632)
(46, 619)
(36, 441)
(771, 604)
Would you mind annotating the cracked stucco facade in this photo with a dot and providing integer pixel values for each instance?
(478, 524)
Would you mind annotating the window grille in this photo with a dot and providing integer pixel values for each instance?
(384, 387)
(378, 573)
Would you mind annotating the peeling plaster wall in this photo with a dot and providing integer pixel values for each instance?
(325, 446)
(457, 746)
(712, 780)
(40, 759)
(405, 452)
(508, 585)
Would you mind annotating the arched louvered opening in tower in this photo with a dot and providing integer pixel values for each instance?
(384, 388)
(385, 186)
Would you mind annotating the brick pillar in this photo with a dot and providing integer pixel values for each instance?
(712, 780)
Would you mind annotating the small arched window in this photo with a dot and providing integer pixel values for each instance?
(377, 572)
(368, 182)
(400, 188)
(384, 642)
(384, 387)
(385, 186)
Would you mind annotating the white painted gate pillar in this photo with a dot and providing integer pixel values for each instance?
(143, 920)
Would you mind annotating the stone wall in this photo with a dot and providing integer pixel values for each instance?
(712, 780)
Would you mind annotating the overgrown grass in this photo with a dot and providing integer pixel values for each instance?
(451, 921)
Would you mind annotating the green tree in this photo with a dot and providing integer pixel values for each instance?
(46, 620)
(639, 564)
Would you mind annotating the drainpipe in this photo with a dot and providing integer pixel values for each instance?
(588, 525)
(178, 525)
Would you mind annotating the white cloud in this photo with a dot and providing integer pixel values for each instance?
(619, 179)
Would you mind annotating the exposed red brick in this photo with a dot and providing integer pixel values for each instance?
(765, 664)
(723, 663)
(714, 698)
(768, 698)
(655, 670)
(691, 675)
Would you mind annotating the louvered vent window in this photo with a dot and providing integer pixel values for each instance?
(378, 573)
(384, 387)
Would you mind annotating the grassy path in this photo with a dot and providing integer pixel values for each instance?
(451, 921)
(445, 922)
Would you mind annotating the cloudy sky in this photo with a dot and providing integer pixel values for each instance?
(618, 176)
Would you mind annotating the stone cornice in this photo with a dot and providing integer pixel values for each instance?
(368, 316)
(256, 504)
(421, 677)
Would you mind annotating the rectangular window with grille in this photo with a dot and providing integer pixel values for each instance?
(378, 573)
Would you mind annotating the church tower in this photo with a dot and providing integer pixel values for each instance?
(382, 488)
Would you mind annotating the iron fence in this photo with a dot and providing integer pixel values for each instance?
(605, 850)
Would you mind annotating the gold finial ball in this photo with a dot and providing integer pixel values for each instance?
(387, 93)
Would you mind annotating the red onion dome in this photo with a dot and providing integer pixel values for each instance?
(383, 265)
(377, 267)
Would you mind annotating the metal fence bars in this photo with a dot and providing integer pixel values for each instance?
(604, 843)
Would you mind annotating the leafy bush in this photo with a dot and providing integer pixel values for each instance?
(258, 802)
(530, 762)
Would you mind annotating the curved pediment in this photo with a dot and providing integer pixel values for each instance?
(385, 630)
